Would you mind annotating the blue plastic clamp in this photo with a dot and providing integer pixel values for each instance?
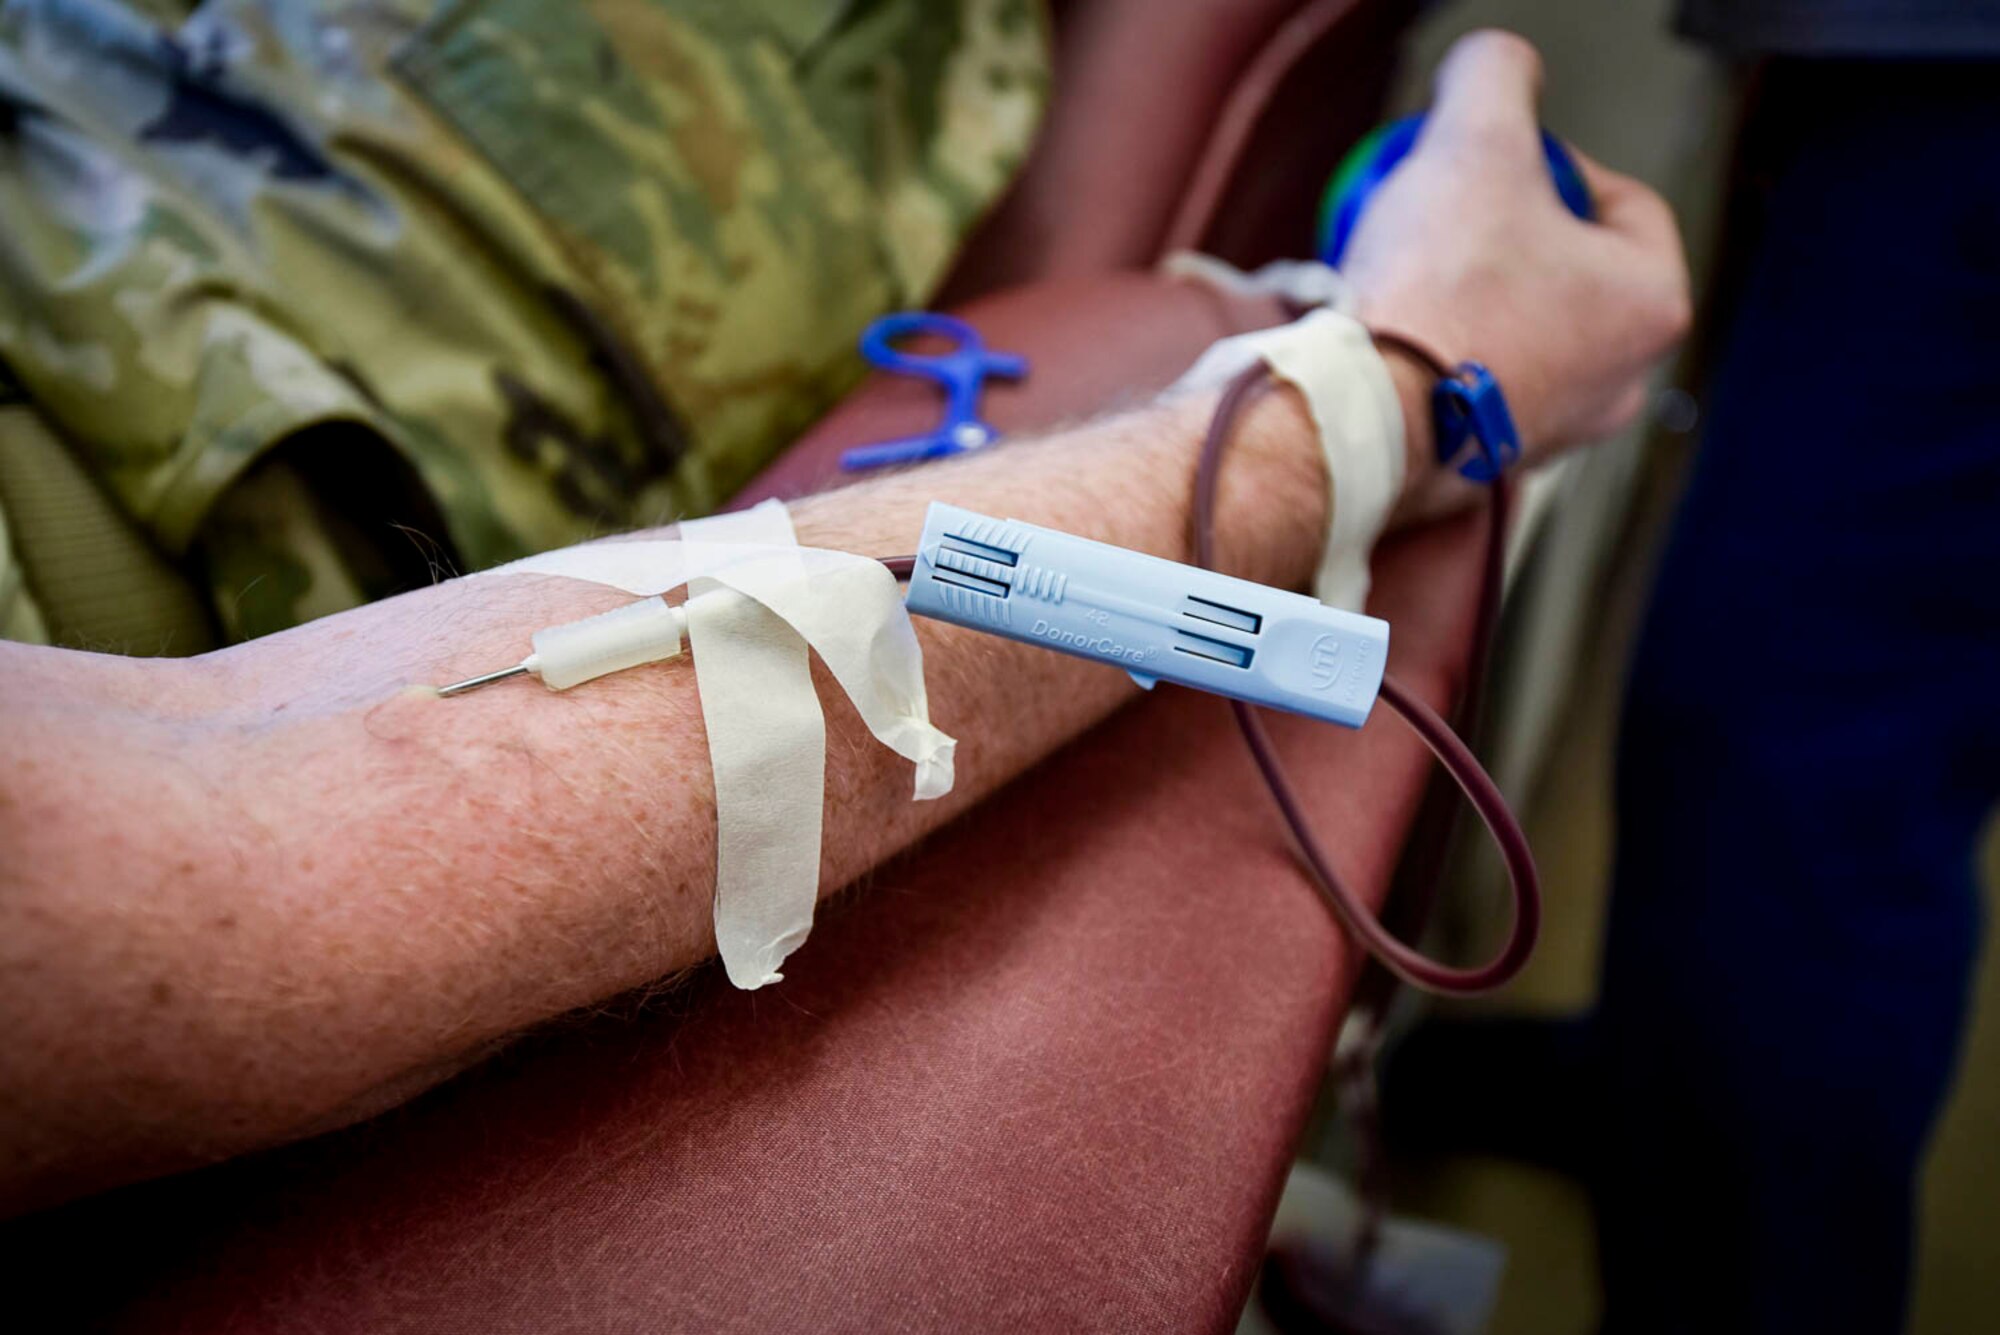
(962, 372)
(1470, 404)
(1158, 620)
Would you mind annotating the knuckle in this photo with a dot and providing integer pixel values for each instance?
(1488, 142)
(1659, 314)
(1475, 142)
(1676, 300)
(1676, 314)
(1662, 212)
(1503, 47)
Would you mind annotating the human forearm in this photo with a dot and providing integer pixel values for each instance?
(294, 878)
(288, 882)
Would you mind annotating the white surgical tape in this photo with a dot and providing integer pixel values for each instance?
(1303, 282)
(754, 606)
(1330, 359)
(767, 747)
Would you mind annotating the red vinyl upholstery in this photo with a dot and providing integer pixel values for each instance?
(1045, 1072)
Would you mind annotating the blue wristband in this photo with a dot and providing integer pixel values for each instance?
(1466, 405)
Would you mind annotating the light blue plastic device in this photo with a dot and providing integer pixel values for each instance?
(1159, 620)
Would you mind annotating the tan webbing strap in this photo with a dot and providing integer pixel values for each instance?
(76, 570)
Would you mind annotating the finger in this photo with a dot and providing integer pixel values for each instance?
(1630, 209)
(1488, 85)
(1628, 205)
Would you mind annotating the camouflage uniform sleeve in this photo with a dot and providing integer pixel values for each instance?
(239, 266)
(269, 559)
(568, 266)
(331, 518)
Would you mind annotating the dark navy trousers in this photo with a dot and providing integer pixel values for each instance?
(1811, 732)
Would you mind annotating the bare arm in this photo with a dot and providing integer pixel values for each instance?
(252, 894)
(244, 892)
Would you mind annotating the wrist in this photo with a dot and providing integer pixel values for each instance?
(1414, 381)
(1419, 344)
(1419, 367)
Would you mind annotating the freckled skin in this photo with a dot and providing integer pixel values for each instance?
(482, 863)
(257, 921)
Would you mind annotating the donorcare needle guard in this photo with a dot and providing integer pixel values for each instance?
(1159, 620)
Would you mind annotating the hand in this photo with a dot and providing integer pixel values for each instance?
(1467, 248)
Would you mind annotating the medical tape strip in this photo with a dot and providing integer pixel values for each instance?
(849, 608)
(1331, 360)
(1302, 282)
(767, 747)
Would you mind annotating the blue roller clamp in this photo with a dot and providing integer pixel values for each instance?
(1468, 405)
(962, 372)
(1157, 619)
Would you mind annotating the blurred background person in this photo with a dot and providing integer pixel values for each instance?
(1809, 744)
